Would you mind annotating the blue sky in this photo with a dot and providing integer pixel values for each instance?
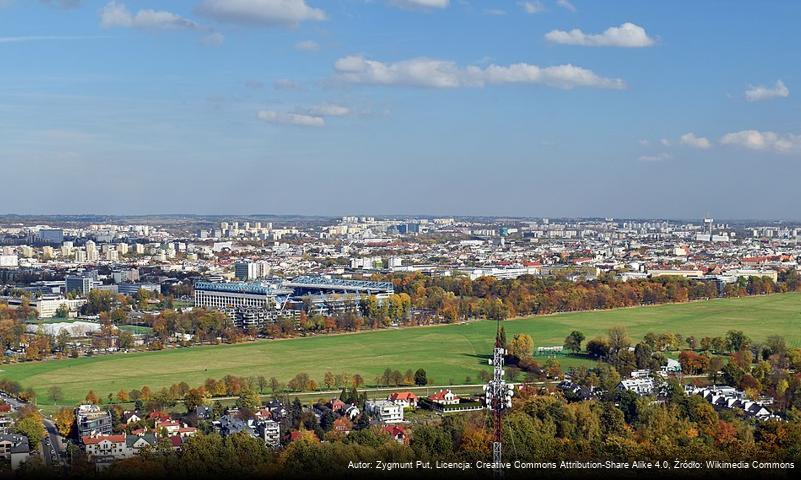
(531, 108)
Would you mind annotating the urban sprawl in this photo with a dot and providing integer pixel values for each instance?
(82, 288)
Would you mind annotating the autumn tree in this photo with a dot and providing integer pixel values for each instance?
(122, 396)
(64, 420)
(521, 346)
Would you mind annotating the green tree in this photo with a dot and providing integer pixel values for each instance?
(63, 311)
(33, 428)
(573, 341)
(55, 394)
(736, 340)
(420, 377)
(248, 399)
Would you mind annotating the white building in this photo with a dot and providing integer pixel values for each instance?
(385, 410)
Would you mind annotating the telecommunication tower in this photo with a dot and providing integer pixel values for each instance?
(498, 397)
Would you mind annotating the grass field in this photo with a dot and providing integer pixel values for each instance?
(449, 353)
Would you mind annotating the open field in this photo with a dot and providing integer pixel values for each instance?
(449, 353)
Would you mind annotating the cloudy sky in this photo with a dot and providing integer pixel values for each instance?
(463, 107)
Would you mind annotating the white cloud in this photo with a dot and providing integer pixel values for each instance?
(420, 3)
(329, 110)
(566, 5)
(532, 7)
(658, 157)
(305, 117)
(307, 46)
(433, 73)
(261, 12)
(691, 140)
(764, 141)
(760, 92)
(298, 119)
(626, 35)
(214, 39)
(665, 142)
(495, 12)
(116, 14)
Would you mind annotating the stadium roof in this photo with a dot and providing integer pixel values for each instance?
(339, 284)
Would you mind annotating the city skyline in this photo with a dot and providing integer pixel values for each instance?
(523, 109)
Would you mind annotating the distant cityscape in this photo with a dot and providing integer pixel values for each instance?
(257, 271)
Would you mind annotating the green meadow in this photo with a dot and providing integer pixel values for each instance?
(449, 353)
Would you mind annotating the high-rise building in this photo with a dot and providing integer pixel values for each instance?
(80, 285)
(92, 255)
(248, 270)
(50, 236)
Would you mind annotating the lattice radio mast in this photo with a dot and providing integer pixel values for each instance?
(498, 397)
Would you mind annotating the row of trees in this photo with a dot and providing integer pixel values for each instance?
(451, 298)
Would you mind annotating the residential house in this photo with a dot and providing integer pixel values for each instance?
(673, 366)
(641, 386)
(104, 449)
(15, 449)
(136, 443)
(385, 410)
(352, 412)
(444, 397)
(397, 433)
(404, 399)
(131, 417)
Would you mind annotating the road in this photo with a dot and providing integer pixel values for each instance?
(52, 447)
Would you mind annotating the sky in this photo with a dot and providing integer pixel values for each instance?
(579, 108)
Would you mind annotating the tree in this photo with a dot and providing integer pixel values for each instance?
(33, 428)
(715, 366)
(358, 381)
(64, 419)
(736, 340)
(573, 341)
(122, 396)
(501, 337)
(521, 346)
(63, 311)
(193, 399)
(618, 339)
(275, 385)
(126, 340)
(262, 382)
(91, 397)
(420, 377)
(328, 379)
(248, 399)
(55, 394)
(598, 348)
